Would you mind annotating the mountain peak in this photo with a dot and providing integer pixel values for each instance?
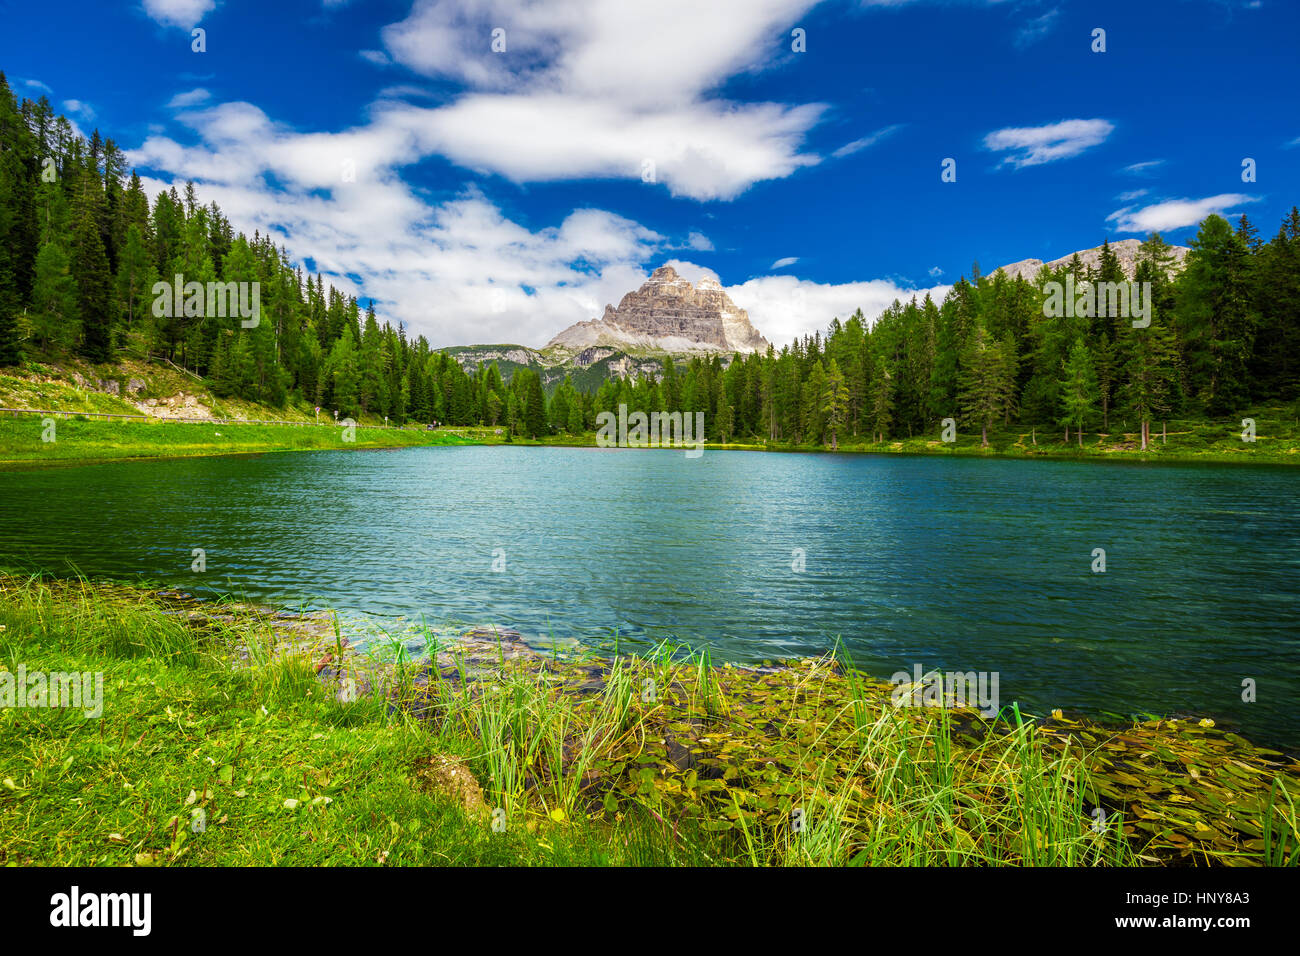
(669, 314)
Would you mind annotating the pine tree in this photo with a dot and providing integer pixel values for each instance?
(135, 280)
(724, 419)
(1149, 371)
(534, 406)
(1275, 362)
(344, 376)
(986, 382)
(94, 288)
(834, 402)
(882, 400)
(1078, 390)
(18, 228)
(55, 323)
(577, 420)
(1215, 318)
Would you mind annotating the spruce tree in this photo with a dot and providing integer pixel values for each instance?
(94, 288)
(1078, 391)
(1215, 318)
(54, 318)
(986, 382)
(834, 402)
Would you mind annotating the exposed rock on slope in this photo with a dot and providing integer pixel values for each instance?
(1126, 250)
(668, 314)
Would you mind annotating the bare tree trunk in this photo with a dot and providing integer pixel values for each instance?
(1033, 433)
(1144, 435)
(1079, 433)
(1164, 433)
(984, 436)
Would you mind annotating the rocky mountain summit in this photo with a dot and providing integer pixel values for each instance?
(1126, 250)
(668, 314)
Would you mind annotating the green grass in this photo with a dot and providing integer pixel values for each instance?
(807, 765)
(81, 439)
(182, 732)
(73, 388)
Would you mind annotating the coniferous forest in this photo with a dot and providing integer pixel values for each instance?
(81, 248)
(908, 479)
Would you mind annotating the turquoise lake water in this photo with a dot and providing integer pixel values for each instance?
(971, 565)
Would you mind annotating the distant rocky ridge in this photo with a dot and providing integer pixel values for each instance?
(1125, 250)
(668, 314)
(586, 369)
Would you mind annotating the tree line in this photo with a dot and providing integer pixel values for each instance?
(81, 248)
(1217, 335)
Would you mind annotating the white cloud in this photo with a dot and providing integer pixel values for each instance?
(1143, 168)
(38, 85)
(79, 108)
(1034, 29)
(454, 272)
(592, 89)
(1132, 194)
(935, 272)
(651, 54)
(1174, 213)
(178, 13)
(461, 271)
(848, 149)
(701, 150)
(191, 98)
(784, 308)
(377, 57)
(782, 263)
(1291, 143)
(1035, 145)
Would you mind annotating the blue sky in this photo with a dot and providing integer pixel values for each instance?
(485, 196)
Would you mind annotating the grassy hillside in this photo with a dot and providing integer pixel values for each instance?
(72, 385)
(79, 391)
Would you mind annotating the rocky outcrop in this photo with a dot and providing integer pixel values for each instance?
(1125, 250)
(667, 314)
(176, 406)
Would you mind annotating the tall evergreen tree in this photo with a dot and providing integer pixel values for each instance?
(94, 287)
(1078, 391)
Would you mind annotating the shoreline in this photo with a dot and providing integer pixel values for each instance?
(160, 440)
(727, 751)
(1287, 455)
(1115, 457)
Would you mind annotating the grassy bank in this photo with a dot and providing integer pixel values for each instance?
(74, 385)
(1277, 441)
(82, 439)
(494, 754)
